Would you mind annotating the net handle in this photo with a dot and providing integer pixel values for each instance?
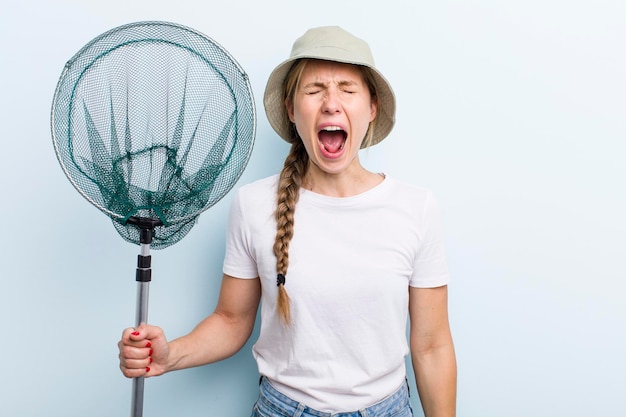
(143, 278)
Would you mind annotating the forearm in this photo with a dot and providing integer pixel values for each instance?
(435, 374)
(216, 338)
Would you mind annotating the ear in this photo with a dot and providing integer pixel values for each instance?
(373, 109)
(289, 108)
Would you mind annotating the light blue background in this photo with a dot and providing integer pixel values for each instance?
(513, 112)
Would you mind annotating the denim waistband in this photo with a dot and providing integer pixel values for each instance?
(275, 404)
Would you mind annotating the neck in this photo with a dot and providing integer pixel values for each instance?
(344, 184)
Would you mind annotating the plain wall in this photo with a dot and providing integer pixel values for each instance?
(513, 112)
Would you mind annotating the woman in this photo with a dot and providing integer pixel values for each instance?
(340, 257)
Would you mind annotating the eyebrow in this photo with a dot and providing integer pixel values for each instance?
(324, 85)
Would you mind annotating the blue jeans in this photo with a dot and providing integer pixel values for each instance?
(272, 403)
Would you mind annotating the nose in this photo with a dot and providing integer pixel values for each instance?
(332, 102)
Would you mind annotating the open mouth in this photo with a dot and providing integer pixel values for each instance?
(332, 139)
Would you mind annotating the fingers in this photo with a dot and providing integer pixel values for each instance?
(135, 361)
(135, 337)
(133, 368)
(135, 350)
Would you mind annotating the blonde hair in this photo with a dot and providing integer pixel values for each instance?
(290, 181)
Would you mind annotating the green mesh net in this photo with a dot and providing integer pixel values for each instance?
(153, 120)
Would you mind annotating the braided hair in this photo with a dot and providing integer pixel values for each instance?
(288, 193)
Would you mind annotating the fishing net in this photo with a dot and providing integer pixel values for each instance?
(153, 122)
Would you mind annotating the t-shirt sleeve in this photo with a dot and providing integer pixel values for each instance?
(430, 268)
(239, 260)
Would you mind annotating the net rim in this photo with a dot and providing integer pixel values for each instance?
(177, 27)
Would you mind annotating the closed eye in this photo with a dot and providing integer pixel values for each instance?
(313, 88)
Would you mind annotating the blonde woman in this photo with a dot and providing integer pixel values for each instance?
(339, 258)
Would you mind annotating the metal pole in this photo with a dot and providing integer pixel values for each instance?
(144, 276)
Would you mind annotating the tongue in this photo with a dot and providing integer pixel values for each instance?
(331, 141)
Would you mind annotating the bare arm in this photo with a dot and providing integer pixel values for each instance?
(146, 352)
(432, 351)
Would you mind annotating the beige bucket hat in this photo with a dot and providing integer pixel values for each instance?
(330, 43)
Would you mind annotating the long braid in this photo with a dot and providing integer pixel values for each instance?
(288, 192)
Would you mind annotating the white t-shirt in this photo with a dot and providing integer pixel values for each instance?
(351, 262)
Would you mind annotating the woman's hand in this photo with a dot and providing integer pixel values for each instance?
(144, 351)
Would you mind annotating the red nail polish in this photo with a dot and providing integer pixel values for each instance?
(147, 369)
(150, 354)
(148, 344)
(135, 333)
(150, 360)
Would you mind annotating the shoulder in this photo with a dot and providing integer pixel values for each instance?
(407, 192)
(412, 203)
(259, 189)
(262, 185)
(257, 196)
